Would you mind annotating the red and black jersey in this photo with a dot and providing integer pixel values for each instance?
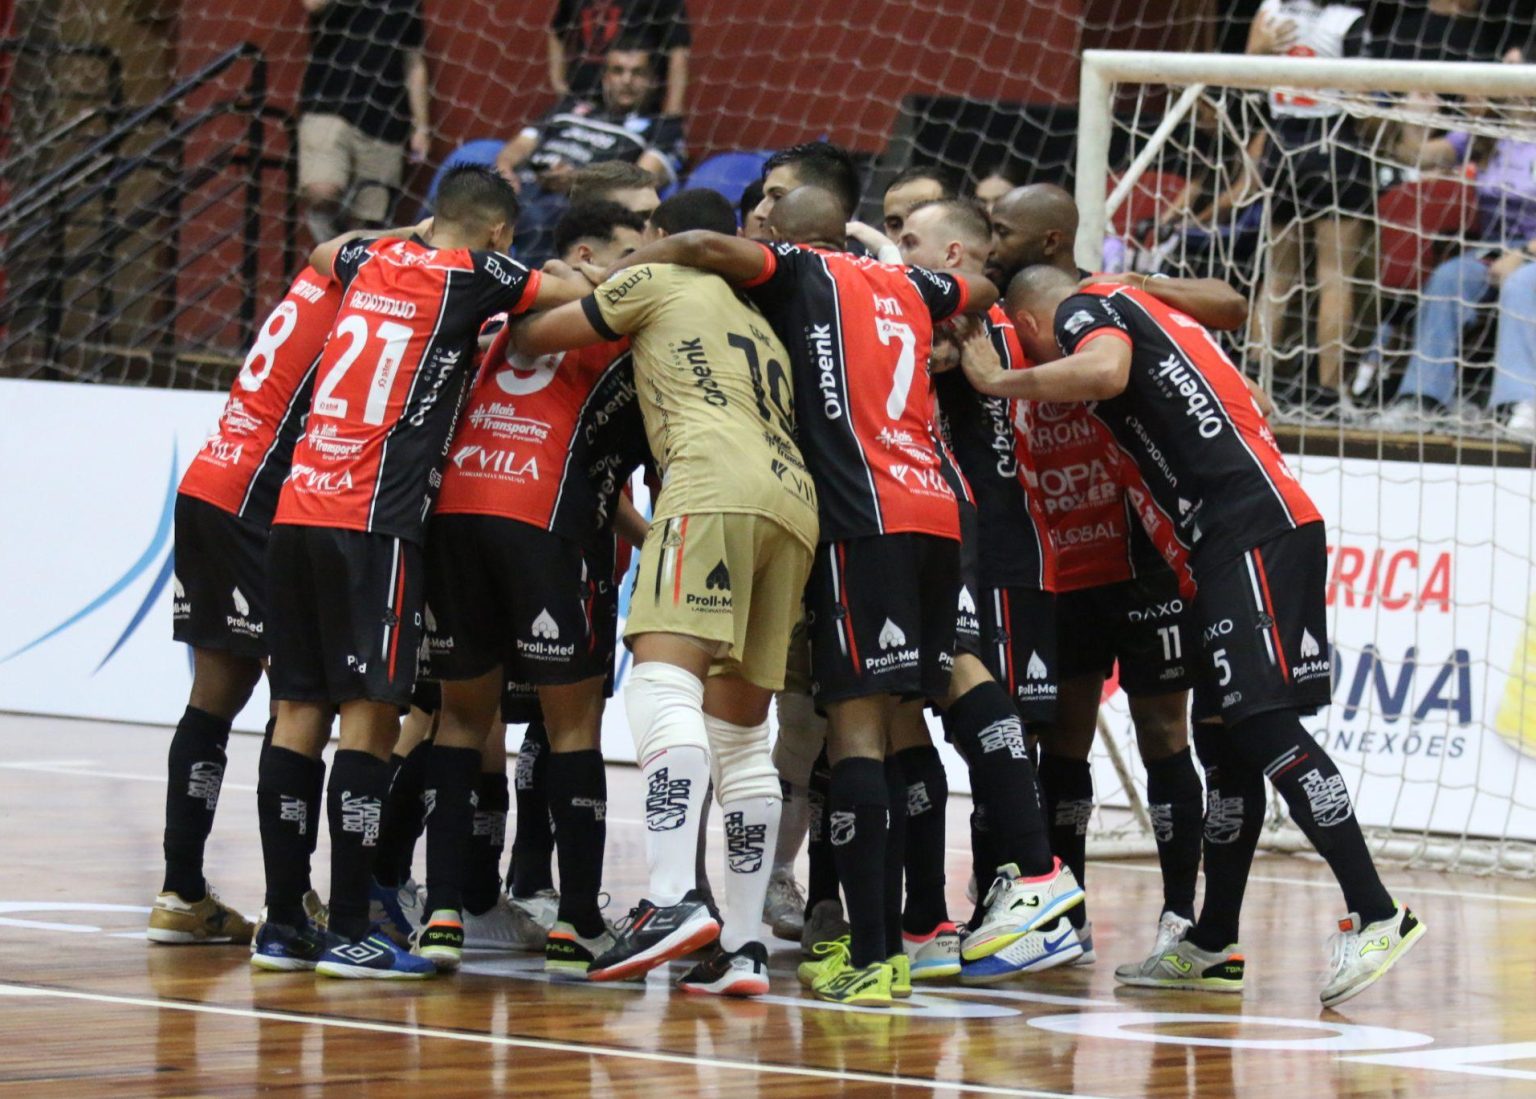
(548, 442)
(391, 381)
(241, 467)
(1207, 458)
(1012, 546)
(859, 334)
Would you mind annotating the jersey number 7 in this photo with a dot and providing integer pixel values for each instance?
(906, 363)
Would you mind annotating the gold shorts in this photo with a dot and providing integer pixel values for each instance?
(335, 153)
(735, 580)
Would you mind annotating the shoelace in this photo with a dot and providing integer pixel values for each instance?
(621, 928)
(1341, 945)
(796, 891)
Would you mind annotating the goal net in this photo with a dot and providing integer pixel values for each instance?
(1429, 505)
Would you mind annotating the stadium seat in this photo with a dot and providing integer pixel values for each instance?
(482, 151)
(728, 173)
(1420, 221)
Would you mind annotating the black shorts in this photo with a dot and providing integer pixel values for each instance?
(967, 622)
(1264, 627)
(505, 593)
(519, 701)
(220, 584)
(1018, 646)
(881, 616)
(1142, 623)
(1316, 167)
(346, 619)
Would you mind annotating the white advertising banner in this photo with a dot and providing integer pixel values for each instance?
(1432, 604)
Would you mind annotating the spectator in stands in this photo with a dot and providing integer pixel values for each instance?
(994, 185)
(577, 132)
(630, 185)
(582, 32)
(1455, 291)
(746, 212)
(918, 184)
(1447, 30)
(1323, 188)
(363, 103)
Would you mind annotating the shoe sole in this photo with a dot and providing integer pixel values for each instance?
(858, 1001)
(190, 938)
(1197, 984)
(790, 933)
(1003, 940)
(684, 940)
(934, 971)
(1035, 965)
(1393, 957)
(363, 973)
(443, 957)
(280, 965)
(735, 988)
(566, 971)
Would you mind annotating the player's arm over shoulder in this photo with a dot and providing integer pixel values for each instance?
(619, 306)
(737, 260)
(947, 293)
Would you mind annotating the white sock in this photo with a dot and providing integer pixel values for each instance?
(666, 715)
(794, 823)
(751, 833)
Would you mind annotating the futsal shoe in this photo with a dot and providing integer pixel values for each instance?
(651, 936)
(1016, 905)
(835, 980)
(901, 975)
(935, 955)
(396, 910)
(1171, 928)
(280, 948)
(532, 917)
(784, 908)
(1041, 949)
(1184, 966)
(825, 925)
(1362, 954)
(175, 921)
(375, 958)
(1085, 940)
(501, 927)
(441, 941)
(742, 972)
(568, 954)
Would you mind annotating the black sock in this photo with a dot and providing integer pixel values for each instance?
(821, 874)
(987, 732)
(578, 801)
(405, 815)
(857, 824)
(925, 796)
(1175, 804)
(1318, 799)
(984, 861)
(355, 809)
(195, 771)
(288, 817)
(316, 800)
(895, 853)
(452, 775)
(533, 844)
(487, 841)
(1068, 788)
(1234, 818)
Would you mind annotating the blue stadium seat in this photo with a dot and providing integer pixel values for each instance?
(483, 151)
(728, 173)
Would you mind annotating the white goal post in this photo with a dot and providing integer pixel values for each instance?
(1447, 681)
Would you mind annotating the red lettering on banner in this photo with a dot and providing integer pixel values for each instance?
(1394, 579)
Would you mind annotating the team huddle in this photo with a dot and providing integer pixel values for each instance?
(943, 470)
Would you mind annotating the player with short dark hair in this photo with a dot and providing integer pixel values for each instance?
(1212, 478)
(224, 508)
(344, 561)
(751, 226)
(520, 585)
(814, 163)
(698, 208)
(597, 228)
(913, 185)
(858, 334)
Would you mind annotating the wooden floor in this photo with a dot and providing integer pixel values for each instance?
(88, 1008)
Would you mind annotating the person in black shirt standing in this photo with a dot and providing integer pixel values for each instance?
(582, 31)
(364, 101)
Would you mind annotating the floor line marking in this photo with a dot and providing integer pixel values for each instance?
(67, 767)
(406, 1030)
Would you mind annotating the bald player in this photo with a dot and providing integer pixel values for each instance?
(1117, 600)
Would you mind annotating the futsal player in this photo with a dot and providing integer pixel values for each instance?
(1214, 478)
(716, 594)
(344, 560)
(224, 508)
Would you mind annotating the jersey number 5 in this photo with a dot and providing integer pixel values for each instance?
(355, 329)
(906, 364)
